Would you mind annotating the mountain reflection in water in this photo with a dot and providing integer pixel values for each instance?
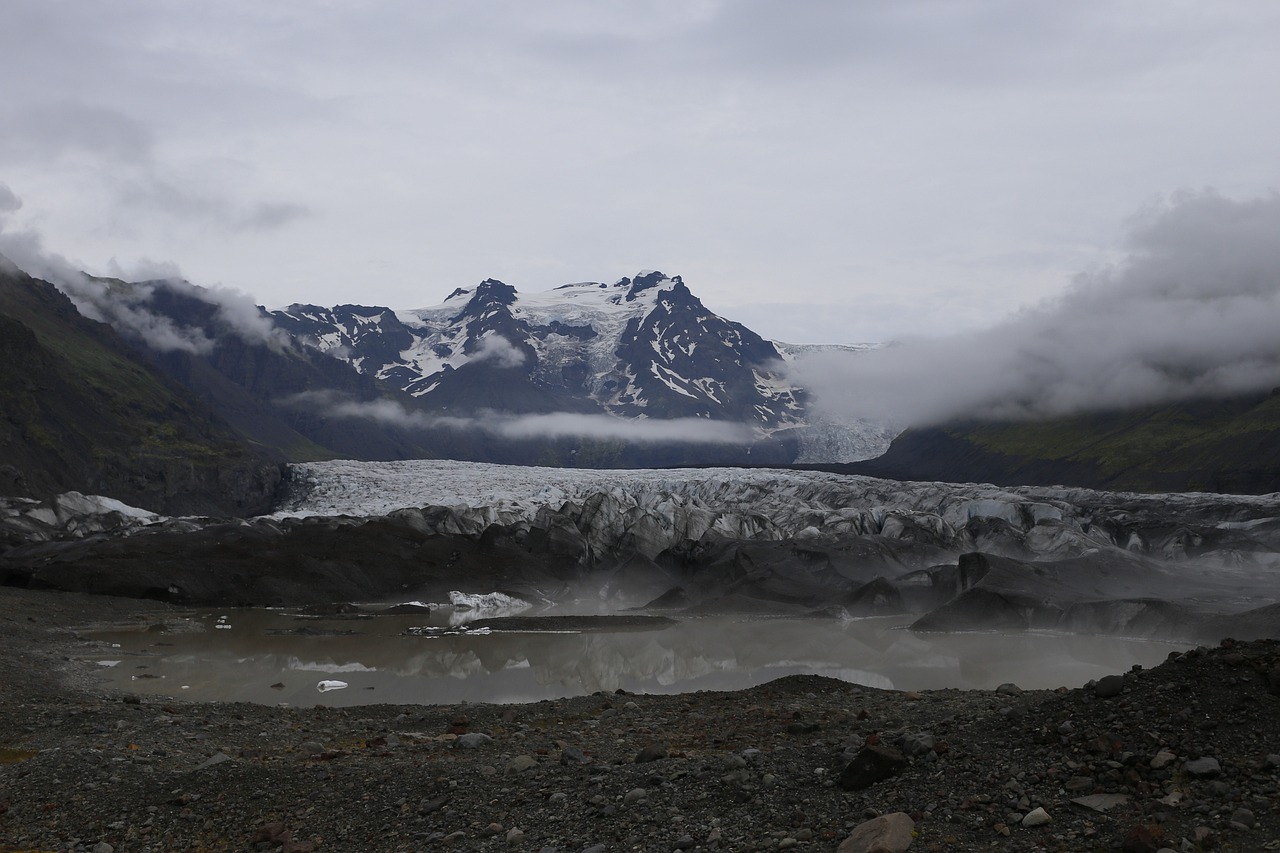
(275, 657)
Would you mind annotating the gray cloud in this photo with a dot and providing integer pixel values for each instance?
(188, 202)
(564, 424)
(827, 153)
(1191, 311)
(126, 307)
(494, 347)
(555, 425)
(47, 132)
(9, 202)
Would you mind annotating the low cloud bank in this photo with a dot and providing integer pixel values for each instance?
(556, 425)
(1192, 311)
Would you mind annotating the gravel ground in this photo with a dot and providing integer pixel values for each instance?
(1185, 756)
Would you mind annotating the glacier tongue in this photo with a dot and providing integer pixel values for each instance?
(657, 509)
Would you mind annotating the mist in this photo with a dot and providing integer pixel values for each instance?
(126, 307)
(554, 425)
(1190, 311)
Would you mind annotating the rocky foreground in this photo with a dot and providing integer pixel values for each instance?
(1185, 756)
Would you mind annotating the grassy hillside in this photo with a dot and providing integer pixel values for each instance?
(1229, 445)
(81, 411)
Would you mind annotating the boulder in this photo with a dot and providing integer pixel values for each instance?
(891, 833)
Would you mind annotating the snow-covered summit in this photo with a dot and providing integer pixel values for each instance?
(642, 347)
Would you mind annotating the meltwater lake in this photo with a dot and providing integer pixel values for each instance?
(282, 657)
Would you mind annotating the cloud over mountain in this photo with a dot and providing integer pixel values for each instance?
(1191, 311)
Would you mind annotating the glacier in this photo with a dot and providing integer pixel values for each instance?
(692, 542)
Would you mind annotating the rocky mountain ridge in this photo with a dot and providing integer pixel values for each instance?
(634, 374)
(642, 347)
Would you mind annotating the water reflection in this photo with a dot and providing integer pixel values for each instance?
(262, 658)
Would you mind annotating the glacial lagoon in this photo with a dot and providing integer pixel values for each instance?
(280, 657)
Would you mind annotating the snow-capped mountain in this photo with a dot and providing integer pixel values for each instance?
(642, 347)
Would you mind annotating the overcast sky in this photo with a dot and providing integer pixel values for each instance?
(822, 171)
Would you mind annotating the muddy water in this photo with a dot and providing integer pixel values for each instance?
(275, 657)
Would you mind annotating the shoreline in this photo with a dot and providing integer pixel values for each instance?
(759, 769)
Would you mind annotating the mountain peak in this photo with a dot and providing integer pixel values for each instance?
(647, 280)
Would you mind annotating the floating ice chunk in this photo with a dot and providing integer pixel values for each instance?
(485, 605)
(446, 631)
(489, 602)
(326, 686)
(331, 668)
(108, 663)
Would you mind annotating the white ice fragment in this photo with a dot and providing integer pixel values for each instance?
(326, 686)
(108, 663)
(331, 668)
(489, 602)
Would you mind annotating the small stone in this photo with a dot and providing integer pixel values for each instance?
(214, 760)
(471, 740)
(684, 842)
(311, 747)
(520, 763)
(652, 752)
(1143, 838)
(1079, 783)
(891, 833)
(515, 835)
(872, 764)
(1008, 689)
(1109, 686)
(635, 795)
(1204, 768)
(1244, 817)
(917, 743)
(788, 843)
(1162, 759)
(103, 847)
(573, 755)
(1036, 817)
(491, 830)
(1101, 802)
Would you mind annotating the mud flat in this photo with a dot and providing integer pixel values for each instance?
(1182, 756)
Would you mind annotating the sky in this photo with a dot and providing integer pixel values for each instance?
(821, 171)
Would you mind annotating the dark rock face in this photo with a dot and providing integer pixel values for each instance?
(683, 361)
(369, 332)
